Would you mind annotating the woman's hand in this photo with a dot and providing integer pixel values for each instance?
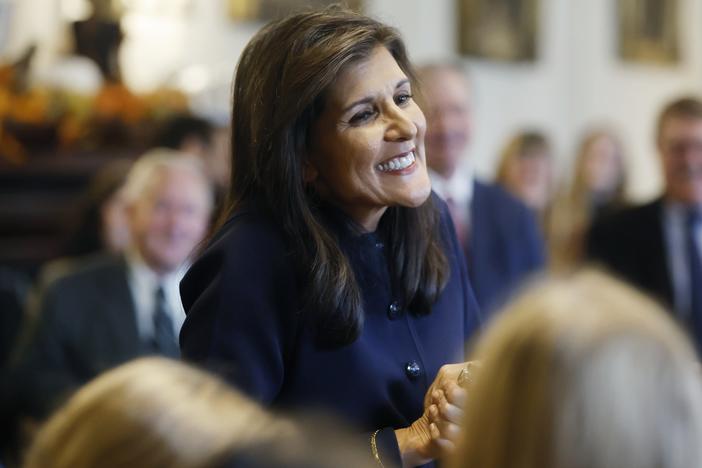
(435, 433)
(448, 374)
(446, 416)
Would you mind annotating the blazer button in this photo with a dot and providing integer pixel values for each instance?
(394, 310)
(413, 370)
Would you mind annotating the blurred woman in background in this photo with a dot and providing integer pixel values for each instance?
(596, 188)
(525, 170)
(101, 224)
(584, 373)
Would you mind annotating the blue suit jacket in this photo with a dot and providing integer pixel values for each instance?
(245, 320)
(506, 245)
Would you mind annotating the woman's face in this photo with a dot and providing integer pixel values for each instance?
(367, 147)
(602, 166)
(529, 177)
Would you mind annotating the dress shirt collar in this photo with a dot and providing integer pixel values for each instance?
(459, 187)
(143, 282)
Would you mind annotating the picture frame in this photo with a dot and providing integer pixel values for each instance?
(266, 10)
(649, 31)
(501, 30)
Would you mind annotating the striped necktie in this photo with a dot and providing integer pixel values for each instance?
(164, 340)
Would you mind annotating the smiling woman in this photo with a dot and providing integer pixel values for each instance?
(365, 143)
(335, 281)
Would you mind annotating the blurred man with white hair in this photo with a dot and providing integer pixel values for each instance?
(112, 309)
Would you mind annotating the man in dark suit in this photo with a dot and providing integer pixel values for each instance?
(657, 246)
(500, 237)
(108, 310)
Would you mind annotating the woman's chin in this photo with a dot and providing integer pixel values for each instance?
(417, 197)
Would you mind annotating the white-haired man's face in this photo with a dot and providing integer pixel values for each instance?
(449, 119)
(170, 218)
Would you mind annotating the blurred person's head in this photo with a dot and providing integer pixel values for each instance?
(169, 201)
(154, 413)
(584, 372)
(323, 442)
(599, 167)
(102, 223)
(447, 102)
(525, 169)
(680, 146)
(199, 138)
(186, 133)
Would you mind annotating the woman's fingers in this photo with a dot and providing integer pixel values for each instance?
(447, 373)
(446, 446)
(444, 436)
(442, 409)
(455, 394)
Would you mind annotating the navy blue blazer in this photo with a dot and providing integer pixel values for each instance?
(245, 321)
(631, 243)
(506, 245)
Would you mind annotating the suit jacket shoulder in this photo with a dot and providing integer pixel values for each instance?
(86, 324)
(630, 242)
(495, 207)
(506, 245)
(619, 234)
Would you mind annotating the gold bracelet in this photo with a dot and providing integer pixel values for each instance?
(374, 449)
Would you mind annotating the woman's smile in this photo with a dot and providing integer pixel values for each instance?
(402, 164)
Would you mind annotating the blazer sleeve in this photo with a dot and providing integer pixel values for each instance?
(241, 302)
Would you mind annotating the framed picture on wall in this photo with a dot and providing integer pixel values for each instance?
(265, 10)
(505, 30)
(648, 31)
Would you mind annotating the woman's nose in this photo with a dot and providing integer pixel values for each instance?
(400, 126)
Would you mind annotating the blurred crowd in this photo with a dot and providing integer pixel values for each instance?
(579, 371)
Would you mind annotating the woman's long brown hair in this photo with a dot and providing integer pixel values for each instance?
(279, 89)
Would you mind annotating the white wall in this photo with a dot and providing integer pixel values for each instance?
(577, 81)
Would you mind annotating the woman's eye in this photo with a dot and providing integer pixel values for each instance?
(362, 116)
(403, 98)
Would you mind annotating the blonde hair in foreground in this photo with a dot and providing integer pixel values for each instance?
(152, 413)
(584, 372)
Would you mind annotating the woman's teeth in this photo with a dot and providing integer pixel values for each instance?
(397, 164)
